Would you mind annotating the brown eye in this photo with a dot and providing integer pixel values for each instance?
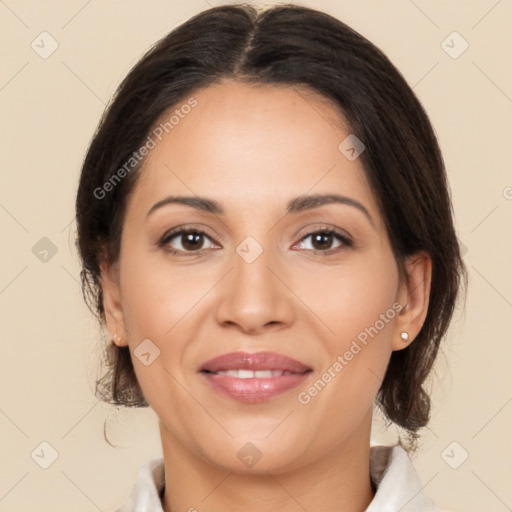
(192, 241)
(185, 241)
(322, 241)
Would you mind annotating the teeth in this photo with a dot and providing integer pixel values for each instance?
(258, 374)
(263, 374)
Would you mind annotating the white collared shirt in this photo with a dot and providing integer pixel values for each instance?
(398, 485)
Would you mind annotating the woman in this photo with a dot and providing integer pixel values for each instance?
(266, 233)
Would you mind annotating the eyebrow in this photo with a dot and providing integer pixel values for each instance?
(297, 205)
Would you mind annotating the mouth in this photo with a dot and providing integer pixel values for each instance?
(249, 374)
(254, 362)
(254, 378)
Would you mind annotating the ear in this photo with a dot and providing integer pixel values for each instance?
(413, 295)
(109, 275)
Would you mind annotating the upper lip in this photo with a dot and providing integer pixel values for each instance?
(254, 361)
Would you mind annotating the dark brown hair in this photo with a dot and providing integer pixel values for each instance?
(294, 46)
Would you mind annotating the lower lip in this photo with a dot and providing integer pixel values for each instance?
(254, 390)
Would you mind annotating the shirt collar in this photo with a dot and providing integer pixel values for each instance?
(399, 488)
(398, 485)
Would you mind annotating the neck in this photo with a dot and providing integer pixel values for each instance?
(338, 480)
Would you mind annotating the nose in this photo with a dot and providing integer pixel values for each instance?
(255, 297)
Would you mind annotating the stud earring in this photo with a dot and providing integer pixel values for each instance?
(405, 336)
(116, 338)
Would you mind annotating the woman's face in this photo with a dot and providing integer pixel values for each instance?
(257, 274)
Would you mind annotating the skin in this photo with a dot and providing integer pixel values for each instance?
(252, 149)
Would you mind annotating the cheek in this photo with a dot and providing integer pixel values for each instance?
(157, 304)
(163, 303)
(156, 295)
(358, 304)
(352, 296)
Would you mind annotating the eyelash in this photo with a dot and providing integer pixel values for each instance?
(347, 242)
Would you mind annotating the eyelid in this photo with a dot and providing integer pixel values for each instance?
(346, 240)
(178, 230)
(311, 229)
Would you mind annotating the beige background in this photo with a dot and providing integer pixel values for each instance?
(51, 344)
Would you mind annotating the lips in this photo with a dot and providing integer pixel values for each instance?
(254, 378)
(255, 362)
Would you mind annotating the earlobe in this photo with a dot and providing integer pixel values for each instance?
(109, 275)
(414, 294)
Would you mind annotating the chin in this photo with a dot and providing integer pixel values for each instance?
(256, 456)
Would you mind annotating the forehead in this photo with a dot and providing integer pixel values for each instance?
(254, 145)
